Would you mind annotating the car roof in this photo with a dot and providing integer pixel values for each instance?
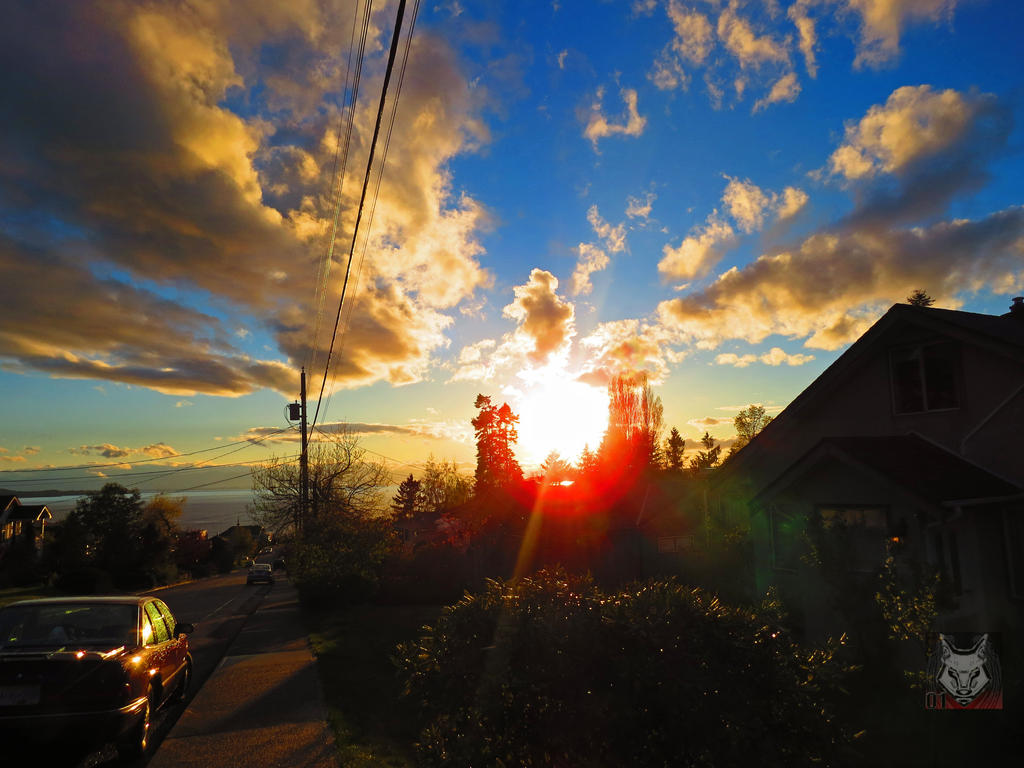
(86, 600)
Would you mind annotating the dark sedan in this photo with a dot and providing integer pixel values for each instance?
(260, 572)
(90, 669)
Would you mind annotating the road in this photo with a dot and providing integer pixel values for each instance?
(218, 606)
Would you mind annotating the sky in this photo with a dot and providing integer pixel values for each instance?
(722, 195)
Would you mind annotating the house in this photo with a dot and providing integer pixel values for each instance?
(16, 518)
(910, 443)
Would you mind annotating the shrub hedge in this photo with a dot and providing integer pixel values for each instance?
(550, 671)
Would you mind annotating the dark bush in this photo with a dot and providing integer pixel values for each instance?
(431, 575)
(85, 581)
(549, 671)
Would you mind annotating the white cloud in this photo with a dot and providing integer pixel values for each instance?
(694, 36)
(640, 209)
(749, 205)
(785, 89)
(915, 122)
(628, 347)
(698, 252)
(807, 33)
(599, 127)
(591, 259)
(882, 23)
(545, 320)
(749, 48)
(775, 357)
(614, 237)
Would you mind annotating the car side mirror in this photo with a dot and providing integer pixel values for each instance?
(184, 628)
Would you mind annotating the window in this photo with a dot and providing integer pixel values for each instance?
(673, 544)
(924, 377)
(160, 634)
(786, 530)
(167, 616)
(862, 531)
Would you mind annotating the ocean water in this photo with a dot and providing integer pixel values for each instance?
(213, 511)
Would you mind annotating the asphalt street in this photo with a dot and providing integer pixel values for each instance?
(219, 607)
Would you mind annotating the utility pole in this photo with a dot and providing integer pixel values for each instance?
(303, 458)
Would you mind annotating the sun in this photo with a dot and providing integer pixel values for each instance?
(559, 414)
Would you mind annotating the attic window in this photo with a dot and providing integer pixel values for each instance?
(924, 377)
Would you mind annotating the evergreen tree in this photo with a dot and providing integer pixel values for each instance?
(589, 463)
(709, 456)
(674, 447)
(495, 428)
(920, 299)
(555, 469)
(404, 502)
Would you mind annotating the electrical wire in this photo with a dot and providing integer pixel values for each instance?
(351, 90)
(362, 197)
(244, 443)
(373, 206)
(399, 462)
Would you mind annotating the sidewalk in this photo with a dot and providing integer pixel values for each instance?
(262, 706)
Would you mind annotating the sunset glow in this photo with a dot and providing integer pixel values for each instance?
(719, 195)
(560, 415)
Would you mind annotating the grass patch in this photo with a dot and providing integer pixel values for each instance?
(353, 648)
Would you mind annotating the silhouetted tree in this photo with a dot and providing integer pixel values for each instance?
(130, 542)
(589, 464)
(339, 552)
(442, 488)
(674, 447)
(404, 502)
(341, 478)
(709, 456)
(920, 299)
(635, 423)
(496, 464)
(555, 469)
(748, 423)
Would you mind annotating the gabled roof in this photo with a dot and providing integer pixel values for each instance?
(1003, 334)
(923, 469)
(7, 501)
(30, 512)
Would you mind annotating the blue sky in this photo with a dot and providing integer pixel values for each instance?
(722, 195)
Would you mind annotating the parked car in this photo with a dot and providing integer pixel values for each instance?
(90, 669)
(260, 572)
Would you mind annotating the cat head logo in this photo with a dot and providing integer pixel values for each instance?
(964, 673)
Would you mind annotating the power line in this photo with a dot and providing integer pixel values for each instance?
(227, 479)
(244, 443)
(377, 453)
(373, 205)
(362, 197)
(351, 90)
(150, 475)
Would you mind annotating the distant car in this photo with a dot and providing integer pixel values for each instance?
(260, 572)
(90, 669)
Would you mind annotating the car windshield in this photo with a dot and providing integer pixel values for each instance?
(63, 625)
